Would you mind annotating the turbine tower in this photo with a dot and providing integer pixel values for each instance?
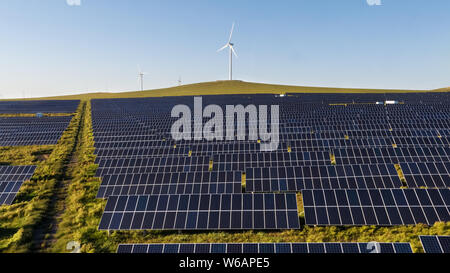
(141, 77)
(230, 45)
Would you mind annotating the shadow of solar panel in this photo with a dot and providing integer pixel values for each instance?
(383, 207)
(201, 212)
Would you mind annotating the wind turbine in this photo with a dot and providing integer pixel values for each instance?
(230, 45)
(141, 77)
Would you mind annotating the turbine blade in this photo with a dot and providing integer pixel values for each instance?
(231, 33)
(220, 49)
(234, 52)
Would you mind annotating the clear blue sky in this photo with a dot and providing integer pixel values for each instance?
(51, 48)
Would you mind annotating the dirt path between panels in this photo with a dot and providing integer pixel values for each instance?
(44, 233)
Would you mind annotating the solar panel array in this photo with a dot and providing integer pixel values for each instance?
(383, 207)
(201, 212)
(337, 143)
(24, 131)
(266, 248)
(322, 177)
(11, 179)
(435, 244)
(38, 106)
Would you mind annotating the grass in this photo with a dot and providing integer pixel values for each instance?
(229, 87)
(24, 155)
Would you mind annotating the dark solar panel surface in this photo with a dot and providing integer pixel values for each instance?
(11, 179)
(265, 248)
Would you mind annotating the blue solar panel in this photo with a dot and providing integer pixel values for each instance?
(435, 244)
(11, 179)
(204, 212)
(384, 207)
(253, 248)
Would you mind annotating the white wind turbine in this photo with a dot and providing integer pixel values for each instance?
(232, 51)
(141, 77)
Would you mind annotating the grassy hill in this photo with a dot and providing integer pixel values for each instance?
(445, 89)
(229, 87)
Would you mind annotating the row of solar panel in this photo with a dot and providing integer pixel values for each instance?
(201, 212)
(290, 135)
(266, 248)
(383, 207)
(209, 149)
(229, 162)
(44, 106)
(154, 121)
(26, 131)
(433, 175)
(105, 126)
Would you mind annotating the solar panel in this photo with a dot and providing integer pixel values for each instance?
(321, 177)
(23, 131)
(201, 212)
(43, 106)
(435, 244)
(170, 183)
(356, 155)
(427, 174)
(260, 248)
(383, 207)
(11, 179)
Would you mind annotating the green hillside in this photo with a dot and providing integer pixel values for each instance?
(228, 87)
(445, 89)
